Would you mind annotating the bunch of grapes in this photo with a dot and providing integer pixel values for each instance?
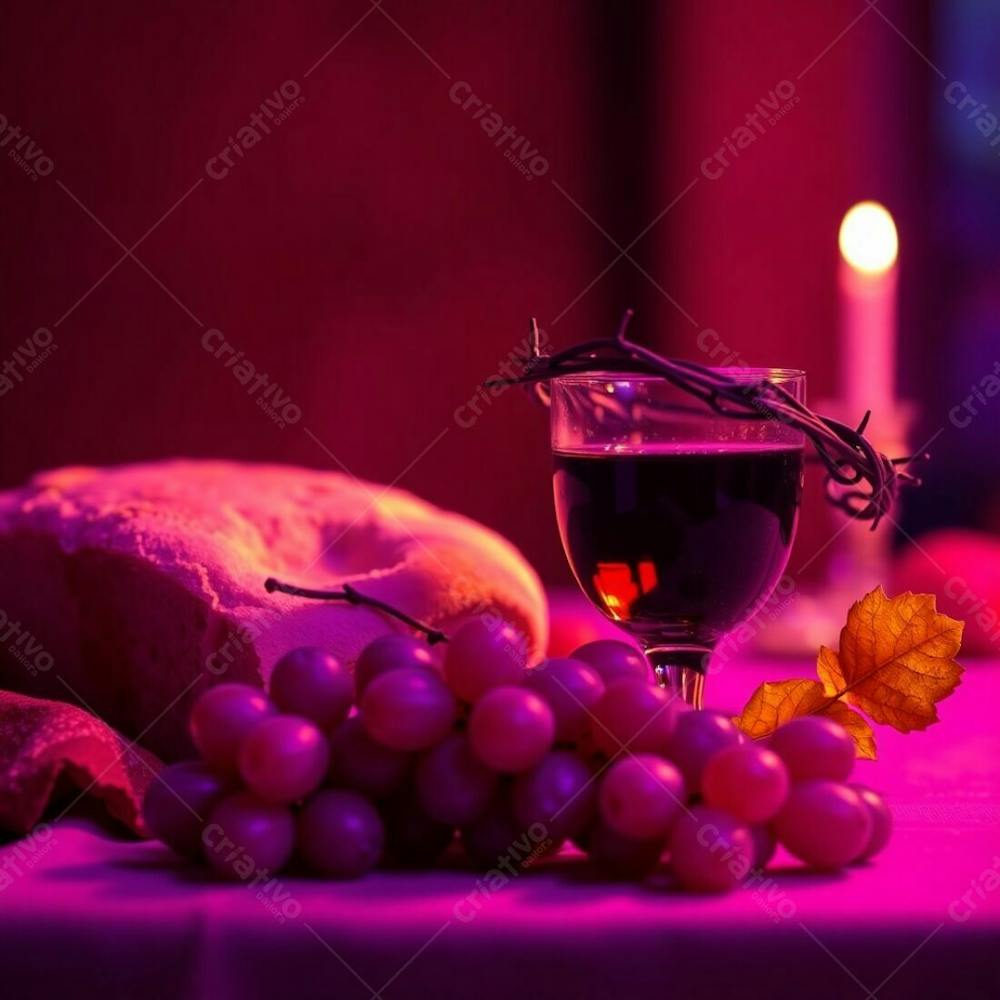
(337, 771)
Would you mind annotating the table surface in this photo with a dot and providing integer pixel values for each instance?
(83, 910)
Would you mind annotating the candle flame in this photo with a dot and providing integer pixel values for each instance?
(868, 239)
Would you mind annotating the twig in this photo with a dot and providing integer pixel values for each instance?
(353, 596)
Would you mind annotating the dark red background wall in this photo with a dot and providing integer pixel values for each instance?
(378, 257)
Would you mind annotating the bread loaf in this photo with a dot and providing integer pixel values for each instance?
(131, 589)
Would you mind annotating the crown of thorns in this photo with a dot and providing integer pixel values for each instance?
(860, 480)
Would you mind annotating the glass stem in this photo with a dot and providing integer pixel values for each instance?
(681, 670)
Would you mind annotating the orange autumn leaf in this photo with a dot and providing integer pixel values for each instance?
(896, 661)
(776, 702)
(828, 668)
(856, 725)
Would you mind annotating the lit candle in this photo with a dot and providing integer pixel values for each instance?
(867, 277)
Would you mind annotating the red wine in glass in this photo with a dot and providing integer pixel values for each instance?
(677, 523)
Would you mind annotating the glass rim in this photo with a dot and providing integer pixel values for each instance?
(738, 373)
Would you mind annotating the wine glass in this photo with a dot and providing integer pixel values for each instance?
(676, 520)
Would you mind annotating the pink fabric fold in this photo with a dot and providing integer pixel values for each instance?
(51, 751)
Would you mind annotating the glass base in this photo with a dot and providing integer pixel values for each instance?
(681, 670)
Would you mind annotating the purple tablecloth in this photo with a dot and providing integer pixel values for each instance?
(86, 914)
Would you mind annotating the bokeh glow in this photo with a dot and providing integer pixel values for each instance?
(868, 240)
